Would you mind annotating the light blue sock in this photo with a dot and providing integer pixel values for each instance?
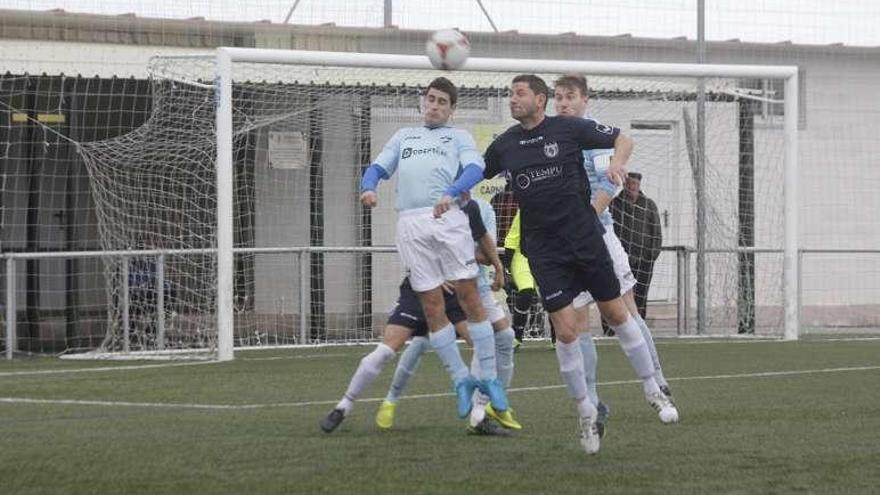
(443, 342)
(504, 356)
(591, 360)
(649, 339)
(483, 339)
(406, 367)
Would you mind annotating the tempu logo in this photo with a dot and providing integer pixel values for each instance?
(524, 179)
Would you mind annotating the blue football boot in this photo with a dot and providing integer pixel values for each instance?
(464, 392)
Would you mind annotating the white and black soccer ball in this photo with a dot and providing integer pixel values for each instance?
(448, 49)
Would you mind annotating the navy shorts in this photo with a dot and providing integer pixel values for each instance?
(408, 310)
(561, 279)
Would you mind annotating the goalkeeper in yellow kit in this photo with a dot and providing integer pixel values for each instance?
(526, 290)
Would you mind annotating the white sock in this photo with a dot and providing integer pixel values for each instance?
(406, 367)
(591, 359)
(443, 342)
(636, 350)
(480, 401)
(504, 355)
(478, 410)
(368, 369)
(586, 408)
(655, 358)
(571, 367)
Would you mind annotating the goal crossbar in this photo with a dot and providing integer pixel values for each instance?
(226, 56)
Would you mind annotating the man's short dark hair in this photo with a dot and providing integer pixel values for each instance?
(635, 175)
(446, 86)
(573, 81)
(536, 84)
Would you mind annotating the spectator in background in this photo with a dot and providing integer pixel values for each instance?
(637, 224)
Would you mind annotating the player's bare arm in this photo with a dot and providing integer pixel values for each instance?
(623, 147)
(601, 201)
(489, 252)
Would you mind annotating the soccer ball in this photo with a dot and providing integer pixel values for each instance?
(448, 49)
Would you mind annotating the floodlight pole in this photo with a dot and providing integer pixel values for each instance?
(488, 17)
(290, 12)
(702, 292)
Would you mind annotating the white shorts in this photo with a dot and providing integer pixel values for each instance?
(494, 311)
(621, 268)
(435, 249)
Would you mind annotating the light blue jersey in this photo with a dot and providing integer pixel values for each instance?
(487, 214)
(596, 163)
(429, 161)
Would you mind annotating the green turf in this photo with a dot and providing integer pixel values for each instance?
(797, 433)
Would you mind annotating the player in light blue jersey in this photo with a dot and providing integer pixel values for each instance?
(488, 281)
(435, 164)
(570, 96)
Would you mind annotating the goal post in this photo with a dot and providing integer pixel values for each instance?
(223, 99)
(791, 257)
(227, 57)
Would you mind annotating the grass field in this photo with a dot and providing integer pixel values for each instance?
(757, 417)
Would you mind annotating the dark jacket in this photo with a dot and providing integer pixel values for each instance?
(638, 226)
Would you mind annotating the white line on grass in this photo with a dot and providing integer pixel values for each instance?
(158, 365)
(304, 356)
(102, 368)
(166, 405)
(703, 340)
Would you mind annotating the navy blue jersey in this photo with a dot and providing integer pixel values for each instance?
(546, 167)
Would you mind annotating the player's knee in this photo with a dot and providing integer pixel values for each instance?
(614, 312)
(563, 325)
(470, 301)
(500, 325)
(565, 333)
(395, 339)
(434, 309)
(475, 310)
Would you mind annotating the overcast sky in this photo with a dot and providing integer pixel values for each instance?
(853, 22)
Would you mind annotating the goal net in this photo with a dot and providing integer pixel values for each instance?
(312, 266)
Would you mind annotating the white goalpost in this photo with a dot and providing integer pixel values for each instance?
(227, 58)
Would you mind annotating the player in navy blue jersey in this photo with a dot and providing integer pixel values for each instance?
(562, 236)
